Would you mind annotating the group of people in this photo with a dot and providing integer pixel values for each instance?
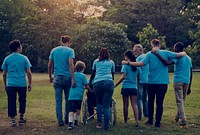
(143, 76)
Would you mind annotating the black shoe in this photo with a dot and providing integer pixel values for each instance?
(157, 124)
(75, 122)
(70, 126)
(13, 123)
(22, 121)
(61, 124)
(149, 123)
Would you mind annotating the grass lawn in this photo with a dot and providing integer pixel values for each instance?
(41, 118)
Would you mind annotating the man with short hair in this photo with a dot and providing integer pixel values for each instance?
(61, 60)
(15, 68)
(143, 82)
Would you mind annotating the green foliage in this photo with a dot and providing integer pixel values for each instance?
(147, 34)
(96, 34)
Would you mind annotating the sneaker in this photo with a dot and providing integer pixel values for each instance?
(136, 124)
(75, 122)
(184, 126)
(22, 121)
(99, 125)
(148, 123)
(61, 124)
(13, 123)
(157, 124)
(70, 126)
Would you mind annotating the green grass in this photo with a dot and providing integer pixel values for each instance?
(41, 117)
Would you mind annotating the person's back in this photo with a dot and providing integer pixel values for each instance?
(60, 56)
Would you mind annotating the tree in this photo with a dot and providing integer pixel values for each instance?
(147, 34)
(96, 34)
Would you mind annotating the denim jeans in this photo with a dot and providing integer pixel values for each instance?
(12, 96)
(103, 91)
(142, 102)
(157, 91)
(180, 89)
(62, 83)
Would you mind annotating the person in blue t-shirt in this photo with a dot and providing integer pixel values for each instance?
(182, 79)
(158, 79)
(142, 101)
(103, 74)
(76, 94)
(129, 78)
(61, 60)
(15, 68)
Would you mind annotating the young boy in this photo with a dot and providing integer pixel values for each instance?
(76, 94)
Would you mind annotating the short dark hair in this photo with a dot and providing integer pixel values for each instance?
(79, 66)
(104, 54)
(65, 39)
(131, 56)
(155, 42)
(179, 46)
(13, 45)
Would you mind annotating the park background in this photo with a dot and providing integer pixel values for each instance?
(92, 24)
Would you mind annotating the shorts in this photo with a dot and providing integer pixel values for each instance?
(129, 92)
(74, 105)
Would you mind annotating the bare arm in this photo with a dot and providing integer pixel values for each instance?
(4, 78)
(92, 76)
(135, 64)
(50, 67)
(120, 80)
(29, 75)
(181, 54)
(164, 61)
(88, 87)
(71, 66)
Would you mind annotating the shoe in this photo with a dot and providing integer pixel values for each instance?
(13, 123)
(22, 121)
(184, 126)
(157, 124)
(75, 122)
(70, 126)
(149, 123)
(176, 119)
(61, 124)
(99, 125)
(136, 124)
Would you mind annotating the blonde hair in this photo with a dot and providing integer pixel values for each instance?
(79, 66)
(138, 47)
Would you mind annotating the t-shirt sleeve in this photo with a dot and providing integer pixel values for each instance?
(124, 69)
(174, 60)
(146, 59)
(171, 55)
(27, 63)
(51, 55)
(139, 71)
(72, 54)
(4, 66)
(85, 81)
(113, 67)
(94, 65)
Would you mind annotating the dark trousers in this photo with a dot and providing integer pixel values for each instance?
(157, 91)
(12, 96)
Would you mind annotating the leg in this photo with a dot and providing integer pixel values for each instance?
(133, 99)
(160, 95)
(151, 98)
(12, 95)
(125, 108)
(144, 100)
(22, 99)
(139, 100)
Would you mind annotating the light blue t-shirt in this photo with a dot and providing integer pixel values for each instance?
(131, 77)
(60, 56)
(104, 70)
(16, 65)
(158, 72)
(144, 69)
(77, 92)
(182, 69)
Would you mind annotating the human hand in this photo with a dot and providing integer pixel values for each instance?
(51, 79)
(73, 83)
(29, 87)
(124, 62)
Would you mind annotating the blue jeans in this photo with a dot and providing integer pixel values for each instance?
(103, 91)
(62, 83)
(142, 100)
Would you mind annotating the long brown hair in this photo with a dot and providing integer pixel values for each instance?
(104, 54)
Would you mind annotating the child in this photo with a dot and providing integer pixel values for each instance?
(76, 94)
(129, 86)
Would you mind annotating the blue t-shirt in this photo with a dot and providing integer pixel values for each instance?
(16, 65)
(77, 92)
(182, 69)
(60, 57)
(144, 69)
(104, 70)
(158, 72)
(131, 77)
